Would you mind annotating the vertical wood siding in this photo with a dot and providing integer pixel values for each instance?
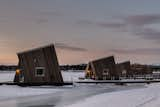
(41, 57)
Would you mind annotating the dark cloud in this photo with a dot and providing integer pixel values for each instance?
(67, 47)
(135, 24)
(114, 25)
(133, 20)
(51, 13)
(140, 20)
(43, 16)
(140, 27)
(155, 51)
(149, 33)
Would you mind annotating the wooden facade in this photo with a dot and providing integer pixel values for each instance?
(139, 69)
(39, 65)
(102, 69)
(124, 69)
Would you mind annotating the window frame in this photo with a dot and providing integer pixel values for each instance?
(36, 74)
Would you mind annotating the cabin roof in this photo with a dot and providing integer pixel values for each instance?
(126, 62)
(36, 49)
(105, 58)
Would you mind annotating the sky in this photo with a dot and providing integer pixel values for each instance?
(82, 30)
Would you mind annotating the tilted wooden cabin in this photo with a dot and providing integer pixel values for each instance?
(102, 69)
(124, 69)
(38, 65)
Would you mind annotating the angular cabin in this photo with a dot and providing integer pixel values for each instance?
(102, 69)
(38, 65)
(124, 69)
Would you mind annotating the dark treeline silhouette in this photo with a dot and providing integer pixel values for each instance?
(73, 67)
(78, 67)
(8, 67)
(62, 67)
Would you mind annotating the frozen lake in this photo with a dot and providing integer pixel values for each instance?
(67, 75)
(52, 96)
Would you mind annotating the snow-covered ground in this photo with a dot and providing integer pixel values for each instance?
(72, 76)
(145, 97)
(9, 92)
(81, 95)
(67, 75)
(6, 76)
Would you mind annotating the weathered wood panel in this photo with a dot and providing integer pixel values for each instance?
(41, 57)
(104, 68)
(124, 66)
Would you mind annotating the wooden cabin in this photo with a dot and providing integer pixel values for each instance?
(38, 65)
(139, 69)
(102, 69)
(124, 69)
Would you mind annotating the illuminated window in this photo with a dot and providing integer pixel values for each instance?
(39, 71)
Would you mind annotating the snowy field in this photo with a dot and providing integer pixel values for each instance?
(80, 95)
(72, 76)
(145, 97)
(67, 76)
(9, 92)
(6, 76)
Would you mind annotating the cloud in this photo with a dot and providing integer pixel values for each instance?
(132, 20)
(67, 47)
(155, 51)
(114, 25)
(140, 20)
(140, 27)
(134, 24)
(44, 16)
(149, 33)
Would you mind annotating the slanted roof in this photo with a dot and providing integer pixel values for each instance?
(35, 49)
(123, 63)
(105, 58)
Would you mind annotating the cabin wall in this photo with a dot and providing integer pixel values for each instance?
(51, 63)
(105, 64)
(43, 57)
(125, 66)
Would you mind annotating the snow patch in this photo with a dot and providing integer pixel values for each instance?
(67, 75)
(146, 97)
(7, 92)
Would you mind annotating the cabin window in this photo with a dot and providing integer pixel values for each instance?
(106, 72)
(124, 72)
(40, 71)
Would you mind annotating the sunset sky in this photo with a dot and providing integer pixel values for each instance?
(82, 30)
